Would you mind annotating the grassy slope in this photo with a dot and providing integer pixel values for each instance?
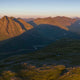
(63, 46)
(63, 52)
(29, 72)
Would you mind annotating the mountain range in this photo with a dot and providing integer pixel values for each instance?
(31, 48)
(11, 27)
(19, 36)
(61, 22)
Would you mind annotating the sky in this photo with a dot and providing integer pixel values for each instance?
(40, 8)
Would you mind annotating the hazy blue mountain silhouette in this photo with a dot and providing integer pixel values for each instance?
(28, 19)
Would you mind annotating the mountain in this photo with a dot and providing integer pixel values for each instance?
(61, 22)
(28, 19)
(11, 27)
(33, 40)
(60, 38)
(78, 18)
(66, 23)
(25, 37)
(75, 27)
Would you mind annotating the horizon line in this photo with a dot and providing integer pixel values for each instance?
(40, 16)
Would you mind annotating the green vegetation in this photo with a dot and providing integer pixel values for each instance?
(66, 52)
(51, 72)
(28, 72)
(53, 58)
(52, 62)
(72, 74)
(63, 46)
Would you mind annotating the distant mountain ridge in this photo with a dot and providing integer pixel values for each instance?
(61, 22)
(28, 19)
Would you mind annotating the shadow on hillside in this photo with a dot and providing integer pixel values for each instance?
(34, 39)
(20, 23)
(32, 23)
(75, 27)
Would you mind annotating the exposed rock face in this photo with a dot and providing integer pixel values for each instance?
(11, 27)
(61, 22)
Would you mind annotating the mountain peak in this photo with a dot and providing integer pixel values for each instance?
(5, 18)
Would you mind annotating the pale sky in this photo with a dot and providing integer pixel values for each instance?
(40, 8)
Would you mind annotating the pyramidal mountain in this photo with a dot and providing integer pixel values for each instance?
(11, 27)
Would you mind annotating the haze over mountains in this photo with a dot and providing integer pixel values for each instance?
(28, 19)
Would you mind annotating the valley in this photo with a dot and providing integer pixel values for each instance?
(39, 40)
(37, 45)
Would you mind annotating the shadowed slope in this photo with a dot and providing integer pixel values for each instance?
(27, 39)
(35, 39)
(75, 27)
(26, 25)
